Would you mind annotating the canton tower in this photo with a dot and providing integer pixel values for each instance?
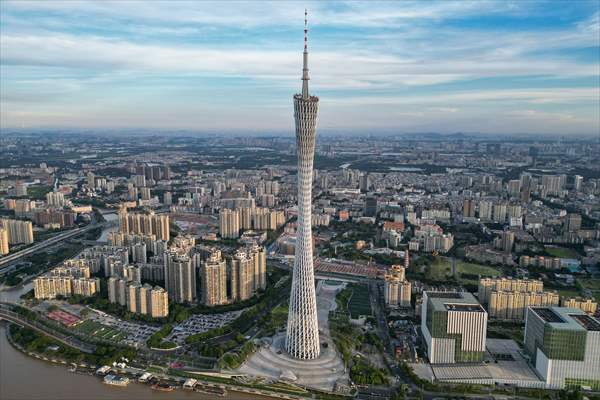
(302, 339)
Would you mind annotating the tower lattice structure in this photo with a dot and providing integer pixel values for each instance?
(302, 340)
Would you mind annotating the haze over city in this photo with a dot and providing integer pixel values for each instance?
(333, 200)
(493, 67)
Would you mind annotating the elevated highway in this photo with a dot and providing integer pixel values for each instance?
(11, 258)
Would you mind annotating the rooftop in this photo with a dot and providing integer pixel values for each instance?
(454, 301)
(547, 314)
(567, 318)
(589, 323)
(464, 307)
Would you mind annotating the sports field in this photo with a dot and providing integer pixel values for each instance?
(359, 303)
(561, 252)
(99, 331)
(441, 269)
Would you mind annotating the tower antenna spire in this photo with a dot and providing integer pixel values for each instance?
(305, 77)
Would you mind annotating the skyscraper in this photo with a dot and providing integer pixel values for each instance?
(302, 339)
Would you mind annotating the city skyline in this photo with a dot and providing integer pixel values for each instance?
(488, 67)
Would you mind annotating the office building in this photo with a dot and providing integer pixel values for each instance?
(564, 346)
(302, 336)
(454, 326)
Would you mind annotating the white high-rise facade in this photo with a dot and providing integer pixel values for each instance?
(302, 340)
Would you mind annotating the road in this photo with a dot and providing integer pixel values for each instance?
(9, 259)
(10, 316)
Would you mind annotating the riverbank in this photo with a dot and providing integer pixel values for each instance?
(53, 380)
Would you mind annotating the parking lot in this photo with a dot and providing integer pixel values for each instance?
(136, 333)
(200, 323)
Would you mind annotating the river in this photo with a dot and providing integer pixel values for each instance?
(108, 216)
(26, 378)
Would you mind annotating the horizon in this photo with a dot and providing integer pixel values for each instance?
(479, 68)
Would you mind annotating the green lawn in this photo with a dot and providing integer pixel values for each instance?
(100, 331)
(561, 252)
(476, 269)
(592, 285)
(441, 270)
(359, 303)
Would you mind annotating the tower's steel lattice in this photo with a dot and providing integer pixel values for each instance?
(302, 340)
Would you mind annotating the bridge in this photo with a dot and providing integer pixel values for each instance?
(13, 317)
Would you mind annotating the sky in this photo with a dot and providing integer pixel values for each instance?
(492, 67)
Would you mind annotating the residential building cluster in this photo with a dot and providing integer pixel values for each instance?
(397, 290)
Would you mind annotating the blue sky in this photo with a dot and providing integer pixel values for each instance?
(482, 66)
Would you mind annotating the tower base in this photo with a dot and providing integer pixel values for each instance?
(327, 372)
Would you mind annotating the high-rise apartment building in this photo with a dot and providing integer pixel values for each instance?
(577, 182)
(145, 224)
(85, 286)
(229, 223)
(19, 232)
(4, 248)
(468, 208)
(50, 286)
(302, 338)
(572, 222)
(259, 261)
(454, 326)
(146, 300)
(397, 290)
(370, 206)
(485, 210)
(55, 199)
(213, 280)
(499, 213)
(180, 277)
(242, 273)
(588, 306)
(505, 241)
(564, 346)
(509, 298)
(117, 290)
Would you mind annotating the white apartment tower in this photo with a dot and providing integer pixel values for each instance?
(302, 339)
